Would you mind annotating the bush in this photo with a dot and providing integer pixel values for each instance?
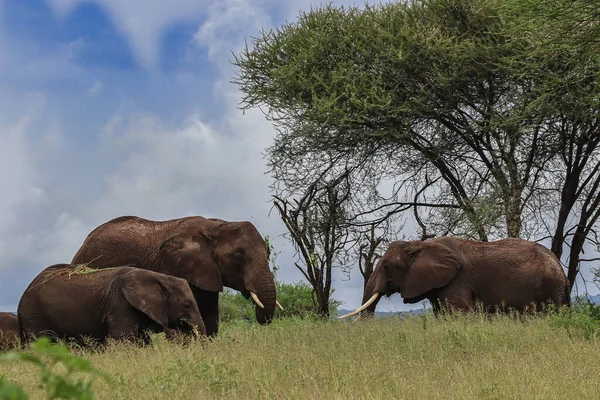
(583, 317)
(296, 299)
(57, 386)
(233, 306)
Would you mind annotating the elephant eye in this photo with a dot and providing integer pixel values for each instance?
(239, 254)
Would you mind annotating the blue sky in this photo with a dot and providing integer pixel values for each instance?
(115, 107)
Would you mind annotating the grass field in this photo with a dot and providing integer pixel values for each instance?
(414, 358)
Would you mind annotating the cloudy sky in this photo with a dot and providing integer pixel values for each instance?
(114, 107)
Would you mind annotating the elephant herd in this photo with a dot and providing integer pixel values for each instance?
(133, 276)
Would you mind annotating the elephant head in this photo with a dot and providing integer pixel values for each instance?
(167, 300)
(212, 253)
(413, 268)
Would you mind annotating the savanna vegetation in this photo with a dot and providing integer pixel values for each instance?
(466, 357)
(475, 119)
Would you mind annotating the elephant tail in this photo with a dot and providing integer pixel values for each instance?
(22, 337)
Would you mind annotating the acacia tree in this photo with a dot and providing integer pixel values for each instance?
(488, 106)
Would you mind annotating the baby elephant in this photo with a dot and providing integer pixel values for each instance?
(74, 303)
(9, 331)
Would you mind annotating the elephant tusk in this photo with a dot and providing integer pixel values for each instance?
(195, 331)
(278, 305)
(363, 307)
(256, 300)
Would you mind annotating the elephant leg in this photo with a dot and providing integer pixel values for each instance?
(208, 305)
(435, 306)
(457, 304)
(127, 329)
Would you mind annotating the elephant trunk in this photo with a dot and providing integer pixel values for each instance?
(367, 294)
(196, 325)
(265, 294)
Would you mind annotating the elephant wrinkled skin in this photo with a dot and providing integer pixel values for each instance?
(9, 331)
(123, 303)
(207, 252)
(457, 274)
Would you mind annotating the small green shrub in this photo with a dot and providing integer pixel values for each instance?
(583, 317)
(233, 306)
(11, 391)
(296, 299)
(57, 386)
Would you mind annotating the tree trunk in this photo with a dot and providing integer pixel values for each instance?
(576, 247)
(323, 304)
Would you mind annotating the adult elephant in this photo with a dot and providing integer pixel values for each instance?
(9, 330)
(207, 252)
(458, 274)
(123, 303)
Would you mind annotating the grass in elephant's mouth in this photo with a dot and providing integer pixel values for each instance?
(421, 357)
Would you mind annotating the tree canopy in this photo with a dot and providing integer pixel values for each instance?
(485, 112)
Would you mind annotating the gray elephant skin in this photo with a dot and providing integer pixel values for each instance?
(509, 274)
(123, 303)
(209, 253)
(9, 331)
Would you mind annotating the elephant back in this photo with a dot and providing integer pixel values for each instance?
(127, 240)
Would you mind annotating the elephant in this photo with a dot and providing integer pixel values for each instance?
(209, 253)
(460, 275)
(123, 303)
(9, 331)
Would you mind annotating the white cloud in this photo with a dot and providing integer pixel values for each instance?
(18, 177)
(142, 22)
(228, 23)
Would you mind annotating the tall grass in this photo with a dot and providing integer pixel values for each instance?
(458, 357)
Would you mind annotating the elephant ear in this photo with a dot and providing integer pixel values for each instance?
(191, 257)
(433, 266)
(147, 295)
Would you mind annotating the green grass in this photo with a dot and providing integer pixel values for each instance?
(420, 357)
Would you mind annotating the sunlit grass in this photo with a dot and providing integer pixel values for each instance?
(415, 358)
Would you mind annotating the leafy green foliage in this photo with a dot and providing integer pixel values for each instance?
(489, 109)
(296, 298)
(582, 317)
(233, 306)
(56, 385)
(11, 391)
